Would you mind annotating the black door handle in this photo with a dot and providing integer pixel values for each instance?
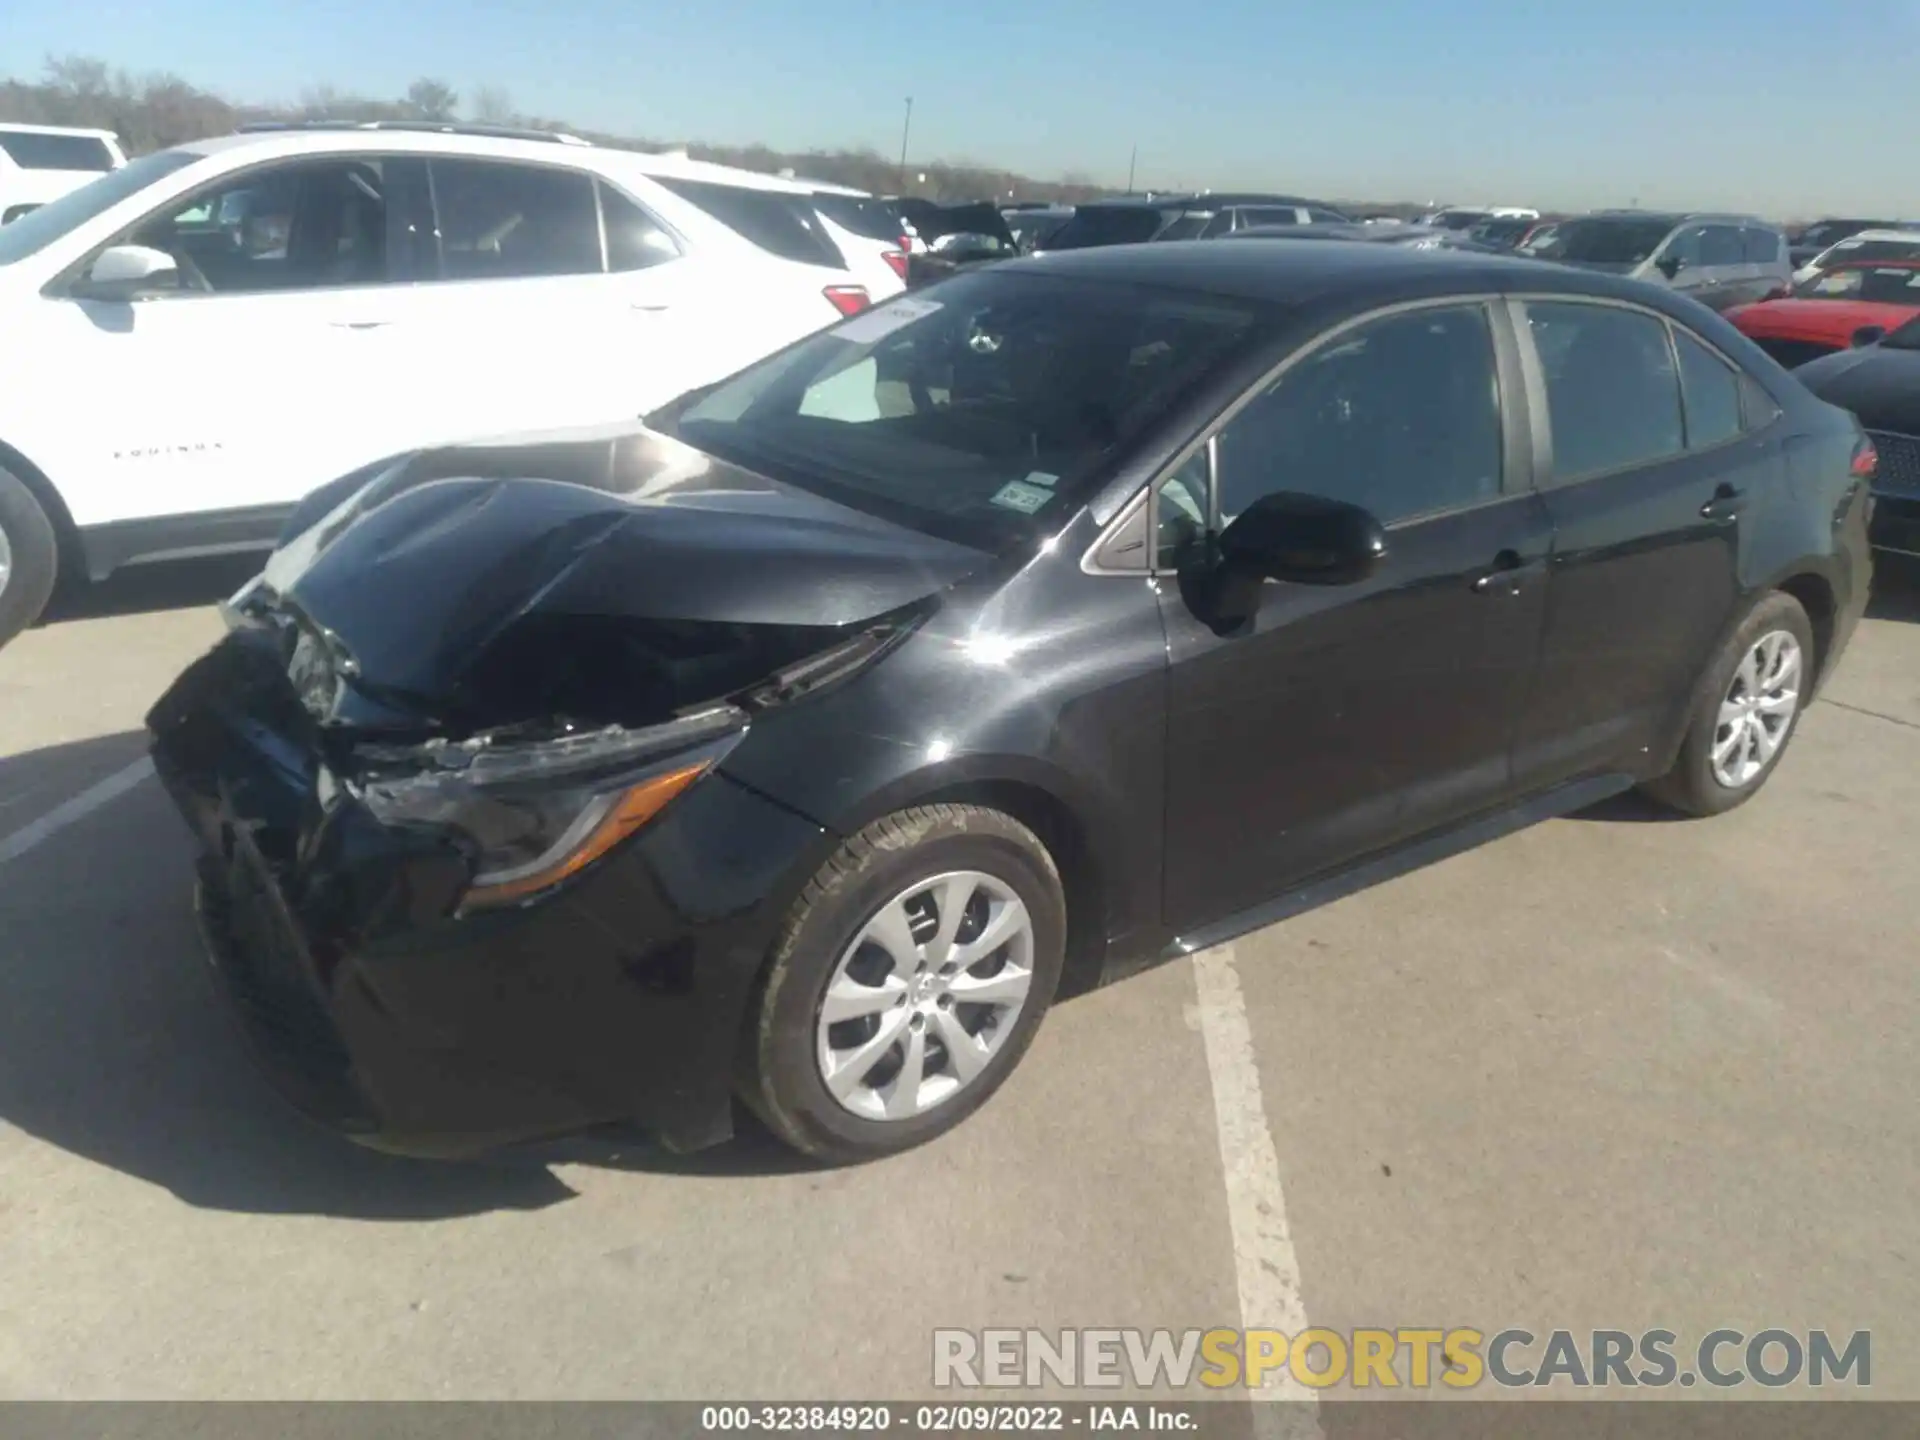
(1726, 504)
(1509, 575)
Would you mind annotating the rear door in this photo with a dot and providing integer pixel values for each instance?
(1343, 719)
(1647, 466)
(1723, 261)
(1766, 255)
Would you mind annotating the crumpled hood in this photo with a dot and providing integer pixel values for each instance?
(432, 563)
(1879, 385)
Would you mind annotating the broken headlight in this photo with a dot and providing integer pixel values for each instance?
(537, 812)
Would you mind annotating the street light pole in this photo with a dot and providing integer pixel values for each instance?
(1135, 155)
(906, 127)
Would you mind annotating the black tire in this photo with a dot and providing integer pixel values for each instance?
(780, 1074)
(33, 550)
(1690, 786)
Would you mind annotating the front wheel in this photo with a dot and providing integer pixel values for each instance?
(1745, 711)
(29, 558)
(909, 980)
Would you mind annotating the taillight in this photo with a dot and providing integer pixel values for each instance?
(896, 261)
(1866, 460)
(847, 299)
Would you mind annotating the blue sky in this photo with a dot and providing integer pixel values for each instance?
(1768, 104)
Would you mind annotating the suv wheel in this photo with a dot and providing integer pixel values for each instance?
(1745, 711)
(29, 557)
(910, 978)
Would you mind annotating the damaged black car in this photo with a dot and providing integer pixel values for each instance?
(796, 746)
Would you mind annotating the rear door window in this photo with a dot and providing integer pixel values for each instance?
(507, 222)
(777, 221)
(1722, 245)
(1763, 247)
(1711, 390)
(31, 151)
(1613, 394)
(1190, 226)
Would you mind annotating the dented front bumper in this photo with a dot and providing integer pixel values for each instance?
(379, 1010)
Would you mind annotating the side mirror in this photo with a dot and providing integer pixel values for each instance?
(1295, 539)
(1669, 265)
(123, 272)
(1867, 335)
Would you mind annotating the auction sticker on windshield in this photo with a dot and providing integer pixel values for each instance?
(883, 320)
(1019, 495)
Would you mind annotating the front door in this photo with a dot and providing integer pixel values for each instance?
(263, 373)
(1344, 719)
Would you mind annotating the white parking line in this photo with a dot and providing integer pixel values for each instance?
(1265, 1267)
(78, 808)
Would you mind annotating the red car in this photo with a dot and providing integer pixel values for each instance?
(1835, 310)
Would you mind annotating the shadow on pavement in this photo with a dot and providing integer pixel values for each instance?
(1896, 589)
(114, 1045)
(141, 589)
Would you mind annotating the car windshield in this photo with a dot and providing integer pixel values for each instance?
(1106, 225)
(1459, 219)
(1877, 284)
(979, 411)
(37, 229)
(1609, 242)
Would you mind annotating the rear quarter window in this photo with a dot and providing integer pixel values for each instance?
(777, 222)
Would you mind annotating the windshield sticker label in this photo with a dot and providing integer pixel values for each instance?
(883, 320)
(1041, 477)
(1018, 495)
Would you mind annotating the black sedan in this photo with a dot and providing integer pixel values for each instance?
(798, 744)
(1880, 384)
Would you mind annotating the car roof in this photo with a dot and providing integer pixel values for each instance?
(1301, 271)
(20, 127)
(499, 145)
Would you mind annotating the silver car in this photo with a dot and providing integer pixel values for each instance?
(1719, 260)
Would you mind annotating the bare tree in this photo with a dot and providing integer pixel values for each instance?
(492, 105)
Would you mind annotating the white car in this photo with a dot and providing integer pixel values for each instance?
(39, 163)
(193, 342)
(1865, 245)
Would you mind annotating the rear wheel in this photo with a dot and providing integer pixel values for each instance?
(29, 557)
(910, 978)
(1745, 711)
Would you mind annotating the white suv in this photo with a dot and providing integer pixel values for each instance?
(39, 163)
(193, 342)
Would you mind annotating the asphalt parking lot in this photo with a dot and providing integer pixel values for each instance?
(1612, 1071)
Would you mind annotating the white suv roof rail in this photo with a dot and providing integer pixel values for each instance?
(428, 127)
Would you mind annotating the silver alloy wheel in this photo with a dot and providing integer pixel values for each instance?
(6, 560)
(925, 995)
(1757, 711)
